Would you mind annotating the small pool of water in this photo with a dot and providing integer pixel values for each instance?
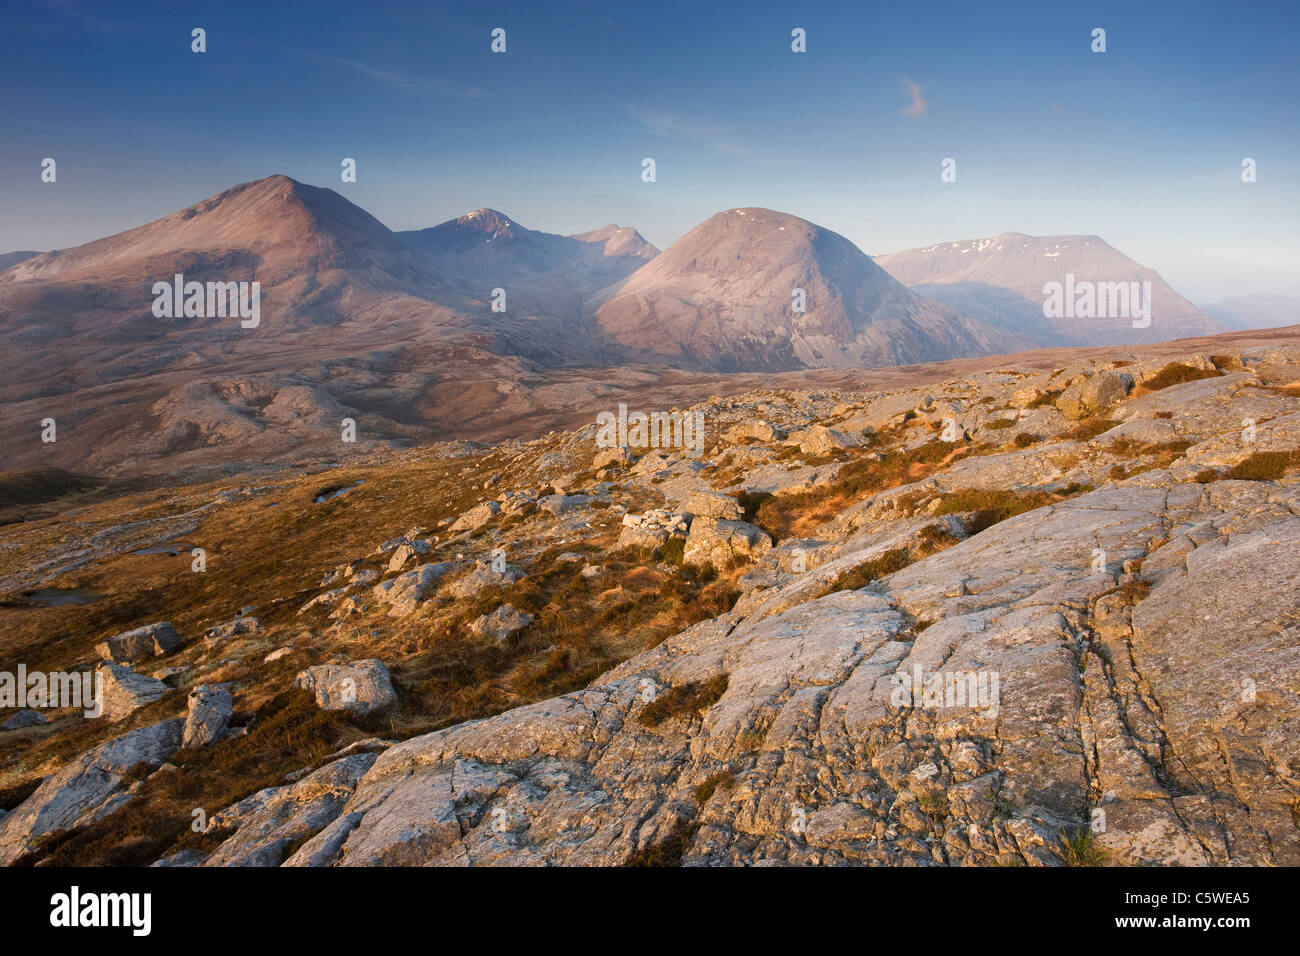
(172, 549)
(329, 494)
(56, 597)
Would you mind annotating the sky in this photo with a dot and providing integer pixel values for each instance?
(1141, 145)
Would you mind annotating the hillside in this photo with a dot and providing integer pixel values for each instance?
(550, 652)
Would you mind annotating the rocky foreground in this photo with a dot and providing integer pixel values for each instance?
(1020, 618)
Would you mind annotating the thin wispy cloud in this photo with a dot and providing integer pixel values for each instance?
(659, 123)
(916, 102)
(420, 85)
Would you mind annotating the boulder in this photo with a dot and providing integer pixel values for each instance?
(125, 691)
(363, 687)
(24, 719)
(486, 574)
(1026, 396)
(476, 517)
(210, 708)
(717, 541)
(151, 640)
(403, 593)
(408, 549)
(559, 504)
(712, 504)
(223, 632)
(609, 457)
(751, 431)
(1087, 395)
(501, 623)
(818, 440)
(339, 574)
(325, 598)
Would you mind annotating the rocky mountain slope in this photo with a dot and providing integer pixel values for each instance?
(1023, 616)
(724, 297)
(1000, 280)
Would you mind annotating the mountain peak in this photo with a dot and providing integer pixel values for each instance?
(757, 289)
(491, 222)
(618, 241)
(1001, 280)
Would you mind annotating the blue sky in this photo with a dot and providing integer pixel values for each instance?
(1141, 145)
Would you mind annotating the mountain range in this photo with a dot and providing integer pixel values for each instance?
(479, 321)
(1001, 280)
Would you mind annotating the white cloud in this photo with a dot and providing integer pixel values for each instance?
(658, 123)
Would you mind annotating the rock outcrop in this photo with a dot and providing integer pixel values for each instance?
(89, 788)
(1045, 689)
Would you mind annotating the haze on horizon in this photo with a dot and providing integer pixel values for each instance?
(1141, 145)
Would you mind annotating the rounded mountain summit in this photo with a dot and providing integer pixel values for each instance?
(726, 297)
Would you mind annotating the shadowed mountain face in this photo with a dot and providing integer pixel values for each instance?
(726, 296)
(8, 259)
(543, 274)
(486, 243)
(1001, 281)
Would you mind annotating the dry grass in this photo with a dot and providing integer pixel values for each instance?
(1176, 373)
(862, 575)
(722, 780)
(987, 507)
(668, 851)
(793, 514)
(1263, 466)
(684, 700)
(1090, 428)
(1150, 456)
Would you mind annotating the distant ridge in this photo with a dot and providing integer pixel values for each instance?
(1000, 280)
